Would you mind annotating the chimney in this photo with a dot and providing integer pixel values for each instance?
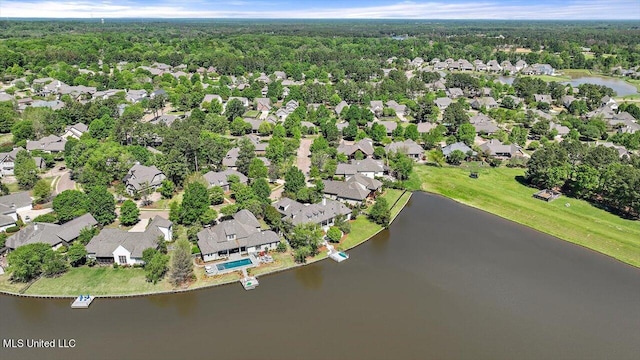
(35, 226)
(324, 201)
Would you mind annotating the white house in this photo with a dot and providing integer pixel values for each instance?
(126, 248)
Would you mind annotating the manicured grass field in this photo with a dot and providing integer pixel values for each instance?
(97, 281)
(497, 191)
(361, 230)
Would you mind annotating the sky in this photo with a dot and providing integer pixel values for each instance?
(326, 9)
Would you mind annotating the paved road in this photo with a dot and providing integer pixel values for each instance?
(65, 183)
(303, 160)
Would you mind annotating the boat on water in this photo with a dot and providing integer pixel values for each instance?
(339, 256)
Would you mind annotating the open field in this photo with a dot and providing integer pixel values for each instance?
(497, 191)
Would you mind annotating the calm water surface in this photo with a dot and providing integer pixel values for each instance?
(621, 87)
(445, 282)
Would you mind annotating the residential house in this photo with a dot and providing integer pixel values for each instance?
(610, 102)
(425, 127)
(488, 102)
(606, 112)
(454, 93)
(125, 247)
(443, 103)
(368, 167)
(389, 125)
(211, 97)
(52, 234)
(399, 109)
(495, 147)
(263, 104)
(567, 100)
(622, 151)
(7, 161)
(365, 146)
(240, 235)
(376, 107)
(543, 98)
(243, 100)
(53, 104)
(354, 190)
(231, 158)
(340, 107)
(75, 131)
(260, 147)
(323, 214)
(483, 124)
(143, 178)
(409, 147)
(280, 75)
(135, 96)
(447, 150)
(561, 129)
(49, 144)
(166, 119)
(159, 92)
(221, 178)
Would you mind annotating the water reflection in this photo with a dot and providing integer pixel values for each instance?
(310, 276)
(32, 310)
(184, 303)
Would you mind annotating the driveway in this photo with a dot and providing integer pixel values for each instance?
(145, 215)
(65, 183)
(303, 161)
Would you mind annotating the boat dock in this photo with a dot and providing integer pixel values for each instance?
(248, 282)
(335, 255)
(82, 302)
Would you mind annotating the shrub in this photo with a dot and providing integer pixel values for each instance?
(334, 234)
(282, 247)
(46, 218)
(12, 229)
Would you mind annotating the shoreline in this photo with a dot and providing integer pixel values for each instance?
(178, 291)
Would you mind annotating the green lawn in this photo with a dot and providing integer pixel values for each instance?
(9, 286)
(6, 139)
(498, 192)
(97, 281)
(251, 114)
(361, 230)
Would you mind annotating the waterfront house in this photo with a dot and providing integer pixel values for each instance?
(240, 235)
(52, 234)
(142, 177)
(125, 247)
(323, 214)
(368, 167)
(353, 190)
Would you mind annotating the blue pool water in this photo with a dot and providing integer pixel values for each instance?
(233, 264)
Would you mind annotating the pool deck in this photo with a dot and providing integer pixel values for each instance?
(253, 259)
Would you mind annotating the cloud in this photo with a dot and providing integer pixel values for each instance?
(571, 10)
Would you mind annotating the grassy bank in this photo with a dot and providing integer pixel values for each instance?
(497, 191)
(131, 281)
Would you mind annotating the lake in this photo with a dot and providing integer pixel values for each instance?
(444, 282)
(621, 87)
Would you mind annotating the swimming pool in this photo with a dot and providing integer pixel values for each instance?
(233, 264)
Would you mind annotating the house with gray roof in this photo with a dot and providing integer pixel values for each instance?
(409, 147)
(368, 167)
(543, 98)
(340, 107)
(7, 161)
(260, 147)
(376, 107)
(221, 178)
(48, 144)
(561, 129)
(425, 127)
(263, 104)
(240, 235)
(495, 147)
(353, 190)
(126, 247)
(389, 125)
(53, 104)
(323, 214)
(14, 204)
(399, 109)
(447, 150)
(443, 103)
(166, 119)
(487, 101)
(483, 124)
(350, 148)
(142, 177)
(52, 234)
(75, 131)
(231, 158)
(454, 93)
(135, 96)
